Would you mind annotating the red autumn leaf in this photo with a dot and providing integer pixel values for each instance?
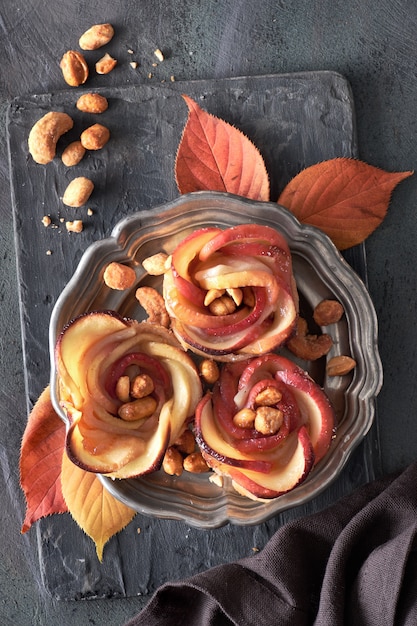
(345, 198)
(41, 460)
(215, 156)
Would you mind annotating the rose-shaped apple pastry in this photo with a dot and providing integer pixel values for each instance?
(232, 292)
(266, 424)
(128, 390)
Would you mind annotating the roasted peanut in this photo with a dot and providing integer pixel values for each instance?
(209, 371)
(172, 463)
(75, 226)
(185, 442)
(309, 347)
(154, 305)
(73, 153)
(137, 409)
(248, 297)
(123, 389)
(268, 420)
(155, 265)
(74, 68)
(92, 103)
(244, 418)
(212, 295)
(95, 37)
(95, 137)
(106, 64)
(236, 294)
(328, 312)
(141, 386)
(222, 306)
(119, 276)
(268, 397)
(78, 192)
(45, 133)
(195, 463)
(340, 365)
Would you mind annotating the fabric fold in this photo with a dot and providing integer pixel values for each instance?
(351, 564)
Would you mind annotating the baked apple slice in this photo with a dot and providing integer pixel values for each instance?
(265, 425)
(128, 390)
(232, 292)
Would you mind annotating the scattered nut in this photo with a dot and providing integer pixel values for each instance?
(78, 192)
(119, 276)
(268, 420)
(74, 227)
(340, 365)
(268, 397)
(244, 418)
(92, 103)
(308, 347)
(95, 37)
(137, 409)
(155, 265)
(185, 442)
(159, 55)
(195, 463)
(105, 64)
(209, 371)
(73, 153)
(95, 137)
(154, 305)
(46, 220)
(142, 385)
(74, 68)
(328, 312)
(45, 133)
(172, 463)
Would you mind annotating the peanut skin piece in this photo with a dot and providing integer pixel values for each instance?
(45, 133)
(78, 192)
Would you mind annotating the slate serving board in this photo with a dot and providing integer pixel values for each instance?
(295, 120)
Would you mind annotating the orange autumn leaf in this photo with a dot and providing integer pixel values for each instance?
(94, 509)
(40, 462)
(215, 156)
(346, 198)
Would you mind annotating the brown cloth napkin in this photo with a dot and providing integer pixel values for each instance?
(354, 563)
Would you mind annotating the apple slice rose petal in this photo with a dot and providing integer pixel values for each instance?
(114, 435)
(254, 308)
(264, 463)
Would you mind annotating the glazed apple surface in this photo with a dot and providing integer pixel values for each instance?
(265, 425)
(231, 293)
(110, 431)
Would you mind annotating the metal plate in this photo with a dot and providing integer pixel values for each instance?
(320, 271)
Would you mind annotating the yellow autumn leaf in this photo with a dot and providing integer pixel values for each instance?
(95, 510)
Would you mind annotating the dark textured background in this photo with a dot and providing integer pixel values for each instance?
(373, 47)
